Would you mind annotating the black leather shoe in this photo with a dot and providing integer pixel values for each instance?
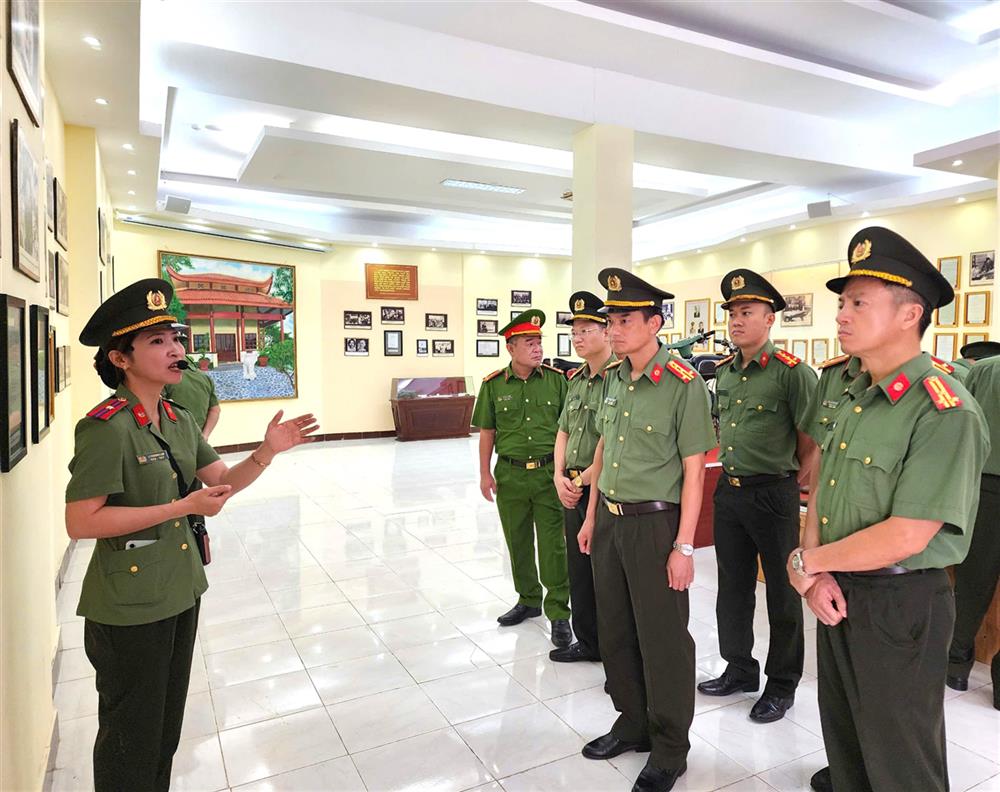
(573, 653)
(654, 779)
(821, 780)
(770, 708)
(957, 682)
(608, 746)
(726, 685)
(562, 635)
(518, 614)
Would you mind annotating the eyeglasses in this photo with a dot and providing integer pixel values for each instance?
(583, 333)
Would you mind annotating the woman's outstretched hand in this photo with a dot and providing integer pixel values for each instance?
(282, 435)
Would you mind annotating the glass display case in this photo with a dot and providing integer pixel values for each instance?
(429, 408)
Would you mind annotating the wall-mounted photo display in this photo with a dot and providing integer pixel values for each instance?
(24, 48)
(696, 316)
(780, 343)
(951, 268)
(515, 314)
(974, 338)
(51, 376)
(487, 326)
(50, 255)
(62, 215)
(58, 373)
(27, 242)
(435, 321)
(100, 286)
(62, 284)
(357, 320)
(800, 348)
(422, 347)
(392, 314)
(947, 315)
(946, 346)
(112, 271)
(798, 311)
(103, 237)
(820, 350)
(356, 347)
(563, 347)
(520, 299)
(393, 343)
(487, 306)
(668, 315)
(13, 390)
(977, 308)
(391, 282)
(487, 347)
(564, 318)
(981, 266)
(443, 348)
(720, 316)
(39, 372)
(65, 363)
(50, 197)
(675, 337)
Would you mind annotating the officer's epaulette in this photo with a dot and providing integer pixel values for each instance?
(614, 363)
(684, 373)
(494, 375)
(833, 361)
(787, 358)
(558, 371)
(725, 360)
(942, 366)
(573, 373)
(107, 408)
(942, 395)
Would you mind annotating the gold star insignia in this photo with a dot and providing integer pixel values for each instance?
(155, 301)
(737, 282)
(861, 251)
(536, 321)
(614, 283)
(579, 305)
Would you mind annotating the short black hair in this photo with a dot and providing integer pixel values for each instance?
(110, 374)
(649, 311)
(903, 295)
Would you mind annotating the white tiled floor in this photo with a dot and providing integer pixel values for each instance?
(349, 642)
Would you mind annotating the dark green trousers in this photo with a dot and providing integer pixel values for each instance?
(647, 650)
(527, 503)
(581, 579)
(881, 683)
(142, 684)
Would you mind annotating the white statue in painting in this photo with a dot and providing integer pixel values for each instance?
(249, 360)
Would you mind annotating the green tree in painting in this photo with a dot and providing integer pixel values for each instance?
(176, 262)
(281, 287)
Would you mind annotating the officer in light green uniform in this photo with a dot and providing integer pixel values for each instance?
(970, 354)
(196, 393)
(517, 412)
(896, 499)
(835, 375)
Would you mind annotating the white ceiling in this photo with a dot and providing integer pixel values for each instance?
(338, 121)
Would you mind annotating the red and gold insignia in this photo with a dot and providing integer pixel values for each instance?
(536, 321)
(944, 397)
(579, 305)
(764, 358)
(139, 413)
(155, 301)
(169, 410)
(787, 358)
(614, 283)
(657, 373)
(737, 282)
(833, 361)
(898, 387)
(106, 409)
(942, 366)
(861, 251)
(679, 370)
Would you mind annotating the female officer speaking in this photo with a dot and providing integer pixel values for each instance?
(136, 455)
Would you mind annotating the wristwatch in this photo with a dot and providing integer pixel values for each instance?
(684, 549)
(798, 563)
(578, 481)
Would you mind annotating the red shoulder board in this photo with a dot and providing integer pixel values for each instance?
(169, 410)
(833, 361)
(942, 366)
(573, 372)
(558, 371)
(787, 358)
(106, 409)
(679, 370)
(942, 395)
(898, 387)
(494, 375)
(139, 413)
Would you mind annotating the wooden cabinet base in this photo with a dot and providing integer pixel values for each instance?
(432, 419)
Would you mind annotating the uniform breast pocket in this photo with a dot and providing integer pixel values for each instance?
(510, 414)
(139, 576)
(723, 401)
(648, 440)
(573, 404)
(548, 408)
(873, 470)
(760, 414)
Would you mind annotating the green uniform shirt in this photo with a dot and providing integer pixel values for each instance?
(962, 368)
(759, 407)
(649, 426)
(984, 383)
(122, 460)
(524, 413)
(195, 392)
(892, 452)
(579, 417)
(827, 396)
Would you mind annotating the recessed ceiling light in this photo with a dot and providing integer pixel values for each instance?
(92, 41)
(482, 251)
(957, 162)
(743, 239)
(792, 227)
(128, 147)
(961, 199)
(433, 250)
(130, 172)
(866, 213)
(131, 192)
(374, 244)
(314, 239)
(474, 185)
(101, 101)
(699, 250)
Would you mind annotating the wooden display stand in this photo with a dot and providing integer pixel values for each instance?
(432, 408)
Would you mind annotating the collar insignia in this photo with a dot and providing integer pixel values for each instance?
(155, 301)
(861, 251)
(737, 282)
(614, 283)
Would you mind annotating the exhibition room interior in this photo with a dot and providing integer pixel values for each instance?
(350, 199)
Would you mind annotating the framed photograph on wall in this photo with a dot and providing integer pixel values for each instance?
(981, 266)
(487, 347)
(27, 241)
(820, 350)
(24, 48)
(696, 318)
(951, 268)
(564, 318)
(39, 372)
(444, 347)
(50, 197)
(62, 284)
(486, 326)
(675, 337)
(947, 316)
(974, 338)
(977, 308)
(62, 215)
(66, 360)
(51, 375)
(515, 314)
(800, 348)
(393, 340)
(357, 320)
(422, 345)
(13, 390)
(720, 316)
(392, 314)
(563, 346)
(668, 315)
(798, 311)
(102, 236)
(487, 306)
(520, 298)
(50, 255)
(946, 346)
(356, 347)
(56, 364)
(780, 343)
(436, 321)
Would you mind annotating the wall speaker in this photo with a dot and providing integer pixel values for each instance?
(818, 209)
(179, 205)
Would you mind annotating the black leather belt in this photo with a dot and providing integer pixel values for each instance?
(632, 509)
(529, 464)
(895, 569)
(754, 481)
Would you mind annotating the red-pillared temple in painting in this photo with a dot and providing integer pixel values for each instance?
(226, 314)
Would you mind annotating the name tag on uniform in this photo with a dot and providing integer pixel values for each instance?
(504, 397)
(156, 456)
(611, 401)
(829, 403)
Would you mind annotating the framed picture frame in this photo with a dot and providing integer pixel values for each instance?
(947, 316)
(520, 298)
(515, 314)
(720, 316)
(50, 256)
(112, 270)
(951, 268)
(24, 47)
(392, 341)
(52, 374)
(487, 306)
(563, 346)
(487, 327)
(798, 311)
(675, 337)
(800, 348)
(696, 318)
(445, 347)
(945, 346)
(974, 338)
(392, 314)
(820, 350)
(355, 346)
(564, 318)
(487, 347)
(981, 267)
(977, 308)
(66, 360)
(391, 282)
(56, 365)
(100, 286)
(62, 215)
(102, 236)
(27, 229)
(13, 390)
(357, 320)
(668, 315)
(436, 321)
(780, 343)
(39, 372)
(422, 347)
(62, 284)
(50, 197)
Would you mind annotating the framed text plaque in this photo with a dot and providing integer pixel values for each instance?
(390, 282)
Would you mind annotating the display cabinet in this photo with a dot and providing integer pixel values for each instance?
(429, 408)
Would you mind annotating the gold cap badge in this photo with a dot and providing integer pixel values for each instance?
(536, 321)
(737, 282)
(614, 283)
(155, 301)
(861, 251)
(579, 305)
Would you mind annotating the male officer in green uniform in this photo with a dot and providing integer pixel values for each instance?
(972, 352)
(649, 466)
(896, 501)
(762, 393)
(976, 577)
(196, 393)
(517, 412)
(575, 445)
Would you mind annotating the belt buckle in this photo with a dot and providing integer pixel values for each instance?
(614, 508)
(530, 465)
(734, 481)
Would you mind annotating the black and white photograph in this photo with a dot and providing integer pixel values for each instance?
(356, 347)
(51, 256)
(486, 326)
(39, 372)
(515, 314)
(564, 318)
(435, 321)
(668, 315)
(520, 299)
(563, 348)
(488, 347)
(27, 242)
(422, 345)
(50, 197)
(62, 284)
(981, 266)
(392, 314)
(62, 215)
(357, 320)
(487, 306)
(798, 312)
(393, 340)
(13, 390)
(24, 54)
(443, 348)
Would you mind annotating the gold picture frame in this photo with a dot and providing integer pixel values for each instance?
(800, 348)
(977, 308)
(945, 346)
(719, 319)
(780, 343)
(947, 316)
(974, 338)
(951, 268)
(820, 350)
